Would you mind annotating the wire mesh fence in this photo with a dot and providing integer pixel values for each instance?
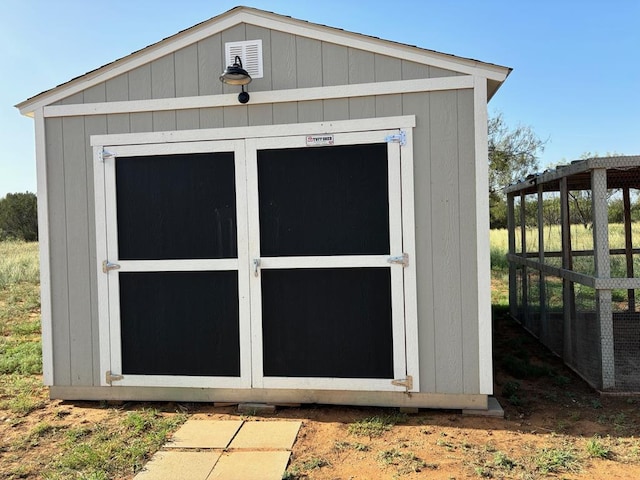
(574, 258)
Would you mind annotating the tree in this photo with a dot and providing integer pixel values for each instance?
(19, 217)
(513, 154)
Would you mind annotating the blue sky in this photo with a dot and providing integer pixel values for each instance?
(576, 78)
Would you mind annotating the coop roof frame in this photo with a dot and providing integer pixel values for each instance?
(549, 178)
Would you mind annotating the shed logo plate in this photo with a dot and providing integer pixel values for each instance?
(316, 140)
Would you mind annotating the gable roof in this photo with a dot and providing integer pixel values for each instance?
(495, 74)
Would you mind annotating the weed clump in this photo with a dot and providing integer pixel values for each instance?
(375, 426)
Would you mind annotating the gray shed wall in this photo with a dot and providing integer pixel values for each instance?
(445, 187)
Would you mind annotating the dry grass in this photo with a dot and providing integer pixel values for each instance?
(19, 263)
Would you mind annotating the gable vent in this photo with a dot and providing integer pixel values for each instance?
(250, 52)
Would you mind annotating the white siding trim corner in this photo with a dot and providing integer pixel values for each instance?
(43, 243)
(485, 368)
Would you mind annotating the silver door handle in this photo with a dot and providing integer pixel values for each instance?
(256, 266)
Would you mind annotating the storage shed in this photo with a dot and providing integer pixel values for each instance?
(327, 241)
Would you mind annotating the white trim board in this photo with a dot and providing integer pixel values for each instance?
(253, 139)
(258, 98)
(485, 369)
(45, 259)
(338, 126)
(267, 20)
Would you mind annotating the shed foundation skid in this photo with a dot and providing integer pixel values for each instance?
(296, 396)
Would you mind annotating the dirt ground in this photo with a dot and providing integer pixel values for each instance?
(555, 426)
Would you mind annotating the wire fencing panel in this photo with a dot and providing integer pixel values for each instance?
(566, 312)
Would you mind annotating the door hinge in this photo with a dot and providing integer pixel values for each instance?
(104, 154)
(400, 138)
(113, 378)
(400, 259)
(407, 383)
(107, 266)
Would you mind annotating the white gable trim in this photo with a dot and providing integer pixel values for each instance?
(266, 20)
(275, 96)
(382, 47)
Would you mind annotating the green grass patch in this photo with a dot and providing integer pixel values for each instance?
(19, 357)
(557, 460)
(21, 394)
(500, 460)
(512, 392)
(405, 462)
(103, 451)
(376, 425)
(341, 446)
(523, 368)
(597, 449)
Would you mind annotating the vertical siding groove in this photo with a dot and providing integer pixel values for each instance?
(93, 125)
(468, 241)
(78, 250)
(265, 83)
(420, 105)
(163, 86)
(445, 210)
(140, 88)
(58, 250)
(117, 89)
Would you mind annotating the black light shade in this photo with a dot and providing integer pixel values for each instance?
(235, 74)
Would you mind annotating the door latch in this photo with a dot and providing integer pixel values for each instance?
(108, 266)
(256, 266)
(400, 259)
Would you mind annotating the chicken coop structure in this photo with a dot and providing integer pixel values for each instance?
(574, 266)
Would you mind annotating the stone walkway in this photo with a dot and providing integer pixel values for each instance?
(224, 450)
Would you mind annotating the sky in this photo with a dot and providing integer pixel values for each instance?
(575, 79)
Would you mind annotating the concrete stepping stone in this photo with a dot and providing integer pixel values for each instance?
(204, 434)
(179, 466)
(266, 435)
(250, 466)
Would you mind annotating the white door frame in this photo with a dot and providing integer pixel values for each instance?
(245, 141)
(109, 283)
(337, 261)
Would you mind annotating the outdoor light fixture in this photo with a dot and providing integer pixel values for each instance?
(236, 75)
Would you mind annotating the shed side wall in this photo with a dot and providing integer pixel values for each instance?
(445, 226)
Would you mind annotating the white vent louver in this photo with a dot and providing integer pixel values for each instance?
(250, 52)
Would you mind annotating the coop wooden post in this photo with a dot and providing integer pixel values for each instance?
(603, 270)
(511, 231)
(523, 252)
(628, 246)
(567, 264)
(542, 320)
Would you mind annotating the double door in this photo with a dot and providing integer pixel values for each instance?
(268, 262)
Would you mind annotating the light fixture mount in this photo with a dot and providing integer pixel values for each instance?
(236, 75)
